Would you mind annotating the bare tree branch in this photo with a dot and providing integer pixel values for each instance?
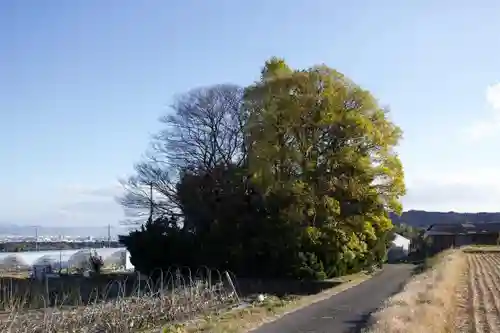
(204, 130)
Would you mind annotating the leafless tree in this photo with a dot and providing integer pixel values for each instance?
(204, 130)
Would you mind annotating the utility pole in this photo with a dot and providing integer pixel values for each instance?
(109, 235)
(151, 201)
(36, 239)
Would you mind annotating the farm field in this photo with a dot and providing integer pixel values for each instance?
(482, 293)
(126, 305)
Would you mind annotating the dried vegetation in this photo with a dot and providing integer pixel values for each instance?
(174, 298)
(429, 302)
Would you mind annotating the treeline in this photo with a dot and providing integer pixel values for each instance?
(53, 246)
(407, 230)
(292, 176)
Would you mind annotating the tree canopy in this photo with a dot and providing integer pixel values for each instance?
(292, 176)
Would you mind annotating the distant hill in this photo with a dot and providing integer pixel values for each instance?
(422, 218)
(413, 218)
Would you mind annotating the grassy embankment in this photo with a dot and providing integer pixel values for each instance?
(429, 302)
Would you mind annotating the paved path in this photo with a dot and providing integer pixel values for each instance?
(345, 312)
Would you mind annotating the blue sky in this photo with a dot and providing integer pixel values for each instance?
(83, 82)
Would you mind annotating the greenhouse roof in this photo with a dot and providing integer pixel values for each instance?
(61, 258)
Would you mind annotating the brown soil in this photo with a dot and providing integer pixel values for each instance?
(483, 293)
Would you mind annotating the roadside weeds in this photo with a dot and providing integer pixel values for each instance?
(259, 313)
(428, 303)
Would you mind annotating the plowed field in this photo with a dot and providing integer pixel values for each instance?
(482, 293)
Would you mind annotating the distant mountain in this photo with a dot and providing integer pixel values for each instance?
(414, 218)
(422, 219)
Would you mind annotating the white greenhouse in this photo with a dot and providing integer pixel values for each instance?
(63, 259)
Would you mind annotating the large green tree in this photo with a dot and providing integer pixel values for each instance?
(296, 179)
(317, 136)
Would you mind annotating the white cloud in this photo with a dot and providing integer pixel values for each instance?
(489, 127)
(473, 186)
(493, 96)
(465, 189)
(75, 205)
(90, 205)
(108, 191)
(460, 191)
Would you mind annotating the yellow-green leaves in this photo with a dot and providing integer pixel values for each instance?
(326, 140)
(274, 68)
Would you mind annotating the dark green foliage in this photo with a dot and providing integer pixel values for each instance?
(227, 225)
(96, 263)
(406, 230)
(155, 246)
(310, 267)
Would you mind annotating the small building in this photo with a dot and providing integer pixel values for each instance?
(443, 236)
(399, 248)
(128, 263)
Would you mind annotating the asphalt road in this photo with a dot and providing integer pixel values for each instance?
(346, 312)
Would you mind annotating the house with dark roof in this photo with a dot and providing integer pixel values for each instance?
(443, 236)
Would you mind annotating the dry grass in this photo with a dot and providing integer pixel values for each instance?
(177, 298)
(14, 274)
(481, 248)
(258, 313)
(182, 303)
(428, 303)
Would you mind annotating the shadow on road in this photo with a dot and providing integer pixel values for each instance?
(346, 312)
(363, 320)
(282, 287)
(358, 324)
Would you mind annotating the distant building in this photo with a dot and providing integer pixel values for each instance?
(399, 248)
(443, 236)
